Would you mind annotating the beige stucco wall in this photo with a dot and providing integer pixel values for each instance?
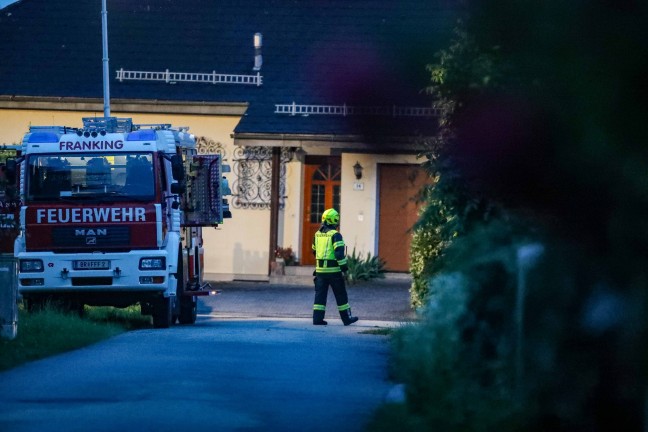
(237, 248)
(359, 211)
(290, 217)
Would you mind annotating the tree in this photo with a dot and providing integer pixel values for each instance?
(543, 106)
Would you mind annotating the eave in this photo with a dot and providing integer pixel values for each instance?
(122, 105)
(355, 143)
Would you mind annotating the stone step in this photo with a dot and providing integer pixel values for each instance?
(291, 280)
(299, 270)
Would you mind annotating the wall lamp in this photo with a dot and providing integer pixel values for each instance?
(357, 170)
(300, 154)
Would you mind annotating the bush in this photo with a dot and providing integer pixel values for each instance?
(364, 269)
(426, 249)
(527, 141)
(456, 361)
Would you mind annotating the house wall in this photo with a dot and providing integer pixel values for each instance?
(238, 249)
(290, 218)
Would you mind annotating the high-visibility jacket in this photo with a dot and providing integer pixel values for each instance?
(329, 249)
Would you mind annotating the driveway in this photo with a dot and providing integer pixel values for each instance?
(380, 300)
(252, 362)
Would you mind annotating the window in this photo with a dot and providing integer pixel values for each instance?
(90, 176)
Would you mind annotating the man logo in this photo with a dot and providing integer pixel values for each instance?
(91, 240)
(91, 232)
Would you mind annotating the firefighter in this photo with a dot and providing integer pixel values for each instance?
(330, 263)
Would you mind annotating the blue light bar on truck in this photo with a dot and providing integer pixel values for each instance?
(43, 137)
(142, 135)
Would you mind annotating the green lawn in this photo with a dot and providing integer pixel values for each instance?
(48, 332)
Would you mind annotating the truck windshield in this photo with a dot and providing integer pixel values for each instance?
(90, 176)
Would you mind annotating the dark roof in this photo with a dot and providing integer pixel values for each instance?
(328, 52)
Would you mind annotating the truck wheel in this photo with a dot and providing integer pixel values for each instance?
(188, 305)
(188, 310)
(72, 307)
(34, 303)
(163, 312)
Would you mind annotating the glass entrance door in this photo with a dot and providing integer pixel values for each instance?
(321, 191)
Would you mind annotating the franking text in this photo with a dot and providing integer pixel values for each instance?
(91, 145)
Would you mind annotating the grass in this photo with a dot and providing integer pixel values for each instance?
(50, 331)
(130, 318)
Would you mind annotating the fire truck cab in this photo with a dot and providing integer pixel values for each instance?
(112, 214)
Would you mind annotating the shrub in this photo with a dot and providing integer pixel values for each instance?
(426, 249)
(456, 361)
(444, 389)
(364, 269)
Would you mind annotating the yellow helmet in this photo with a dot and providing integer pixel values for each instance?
(331, 217)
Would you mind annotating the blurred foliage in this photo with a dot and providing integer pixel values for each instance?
(5, 153)
(457, 361)
(452, 362)
(541, 139)
(449, 207)
(364, 269)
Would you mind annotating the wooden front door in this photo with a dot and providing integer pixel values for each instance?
(398, 212)
(322, 177)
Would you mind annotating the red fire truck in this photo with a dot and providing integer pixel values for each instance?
(9, 203)
(112, 214)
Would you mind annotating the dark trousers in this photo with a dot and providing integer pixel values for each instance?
(336, 282)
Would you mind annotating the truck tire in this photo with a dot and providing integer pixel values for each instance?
(188, 304)
(188, 310)
(35, 303)
(72, 307)
(163, 312)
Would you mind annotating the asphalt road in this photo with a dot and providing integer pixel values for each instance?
(260, 367)
(381, 299)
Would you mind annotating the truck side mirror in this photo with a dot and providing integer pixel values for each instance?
(177, 168)
(177, 188)
(225, 189)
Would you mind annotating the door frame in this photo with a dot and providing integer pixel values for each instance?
(306, 227)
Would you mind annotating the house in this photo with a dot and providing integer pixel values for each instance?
(324, 95)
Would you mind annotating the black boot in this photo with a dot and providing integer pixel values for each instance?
(347, 318)
(318, 317)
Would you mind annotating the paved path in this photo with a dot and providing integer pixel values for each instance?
(222, 374)
(381, 300)
(252, 362)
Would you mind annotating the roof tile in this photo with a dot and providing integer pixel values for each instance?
(364, 52)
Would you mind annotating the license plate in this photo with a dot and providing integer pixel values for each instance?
(91, 265)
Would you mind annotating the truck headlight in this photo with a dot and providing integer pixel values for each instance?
(31, 265)
(152, 263)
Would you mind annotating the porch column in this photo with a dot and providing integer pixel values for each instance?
(274, 204)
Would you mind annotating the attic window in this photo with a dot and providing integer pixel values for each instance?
(345, 110)
(176, 77)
